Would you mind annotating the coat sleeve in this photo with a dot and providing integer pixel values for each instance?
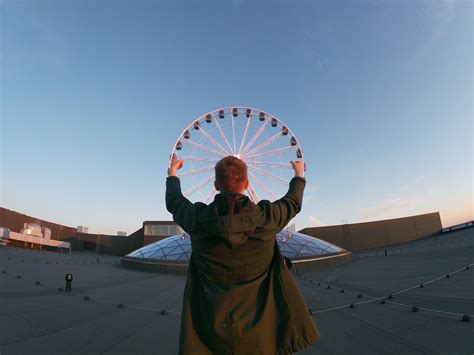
(183, 210)
(280, 212)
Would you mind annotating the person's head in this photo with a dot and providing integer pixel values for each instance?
(231, 175)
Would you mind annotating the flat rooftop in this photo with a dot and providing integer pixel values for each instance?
(37, 318)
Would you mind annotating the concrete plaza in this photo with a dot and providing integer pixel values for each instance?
(113, 310)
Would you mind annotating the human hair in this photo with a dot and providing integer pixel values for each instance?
(231, 174)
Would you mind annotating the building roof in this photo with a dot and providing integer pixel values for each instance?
(37, 318)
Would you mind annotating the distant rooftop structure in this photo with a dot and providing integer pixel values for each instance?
(82, 229)
(32, 235)
(121, 234)
(154, 231)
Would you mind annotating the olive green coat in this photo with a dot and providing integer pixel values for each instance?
(240, 297)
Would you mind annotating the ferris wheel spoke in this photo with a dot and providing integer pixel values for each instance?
(199, 159)
(196, 171)
(252, 193)
(265, 144)
(269, 164)
(255, 137)
(213, 141)
(233, 133)
(219, 128)
(269, 175)
(263, 186)
(198, 186)
(210, 195)
(245, 134)
(256, 141)
(270, 152)
(203, 148)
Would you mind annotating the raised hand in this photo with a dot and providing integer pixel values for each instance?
(176, 164)
(299, 167)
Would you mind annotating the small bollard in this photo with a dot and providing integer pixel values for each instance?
(382, 301)
(342, 291)
(466, 318)
(121, 305)
(359, 295)
(415, 309)
(352, 305)
(38, 283)
(164, 312)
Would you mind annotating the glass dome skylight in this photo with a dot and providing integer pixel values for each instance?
(295, 246)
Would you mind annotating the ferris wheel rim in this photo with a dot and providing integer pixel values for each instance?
(253, 109)
(249, 147)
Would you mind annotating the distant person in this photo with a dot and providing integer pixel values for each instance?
(68, 281)
(240, 297)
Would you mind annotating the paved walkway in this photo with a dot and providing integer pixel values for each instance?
(36, 318)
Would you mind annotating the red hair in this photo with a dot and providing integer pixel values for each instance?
(231, 174)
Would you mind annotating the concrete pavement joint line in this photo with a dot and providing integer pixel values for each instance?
(372, 299)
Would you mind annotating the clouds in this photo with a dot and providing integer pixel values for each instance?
(441, 13)
(392, 208)
(409, 198)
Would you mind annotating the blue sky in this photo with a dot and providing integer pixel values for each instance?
(95, 93)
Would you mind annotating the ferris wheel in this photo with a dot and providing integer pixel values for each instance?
(260, 139)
